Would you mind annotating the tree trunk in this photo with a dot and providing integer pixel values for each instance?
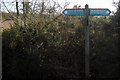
(24, 14)
(17, 9)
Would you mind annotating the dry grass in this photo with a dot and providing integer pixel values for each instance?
(6, 24)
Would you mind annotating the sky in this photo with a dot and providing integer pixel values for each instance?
(92, 3)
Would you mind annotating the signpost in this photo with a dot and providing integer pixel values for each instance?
(86, 12)
(86, 24)
(80, 12)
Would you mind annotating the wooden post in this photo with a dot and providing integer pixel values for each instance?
(86, 14)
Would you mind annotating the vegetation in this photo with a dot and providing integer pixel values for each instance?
(51, 46)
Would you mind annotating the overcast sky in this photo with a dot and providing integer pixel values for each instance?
(92, 3)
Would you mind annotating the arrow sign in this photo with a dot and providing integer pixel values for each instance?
(80, 12)
(99, 12)
(73, 12)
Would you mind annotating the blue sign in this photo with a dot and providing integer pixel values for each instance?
(99, 12)
(80, 12)
(73, 12)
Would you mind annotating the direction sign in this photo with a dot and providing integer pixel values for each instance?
(86, 12)
(80, 12)
(73, 12)
(99, 12)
